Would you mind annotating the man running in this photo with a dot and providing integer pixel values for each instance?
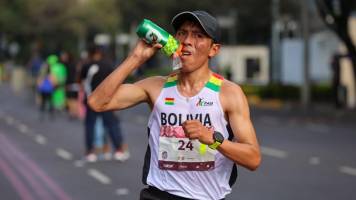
(199, 127)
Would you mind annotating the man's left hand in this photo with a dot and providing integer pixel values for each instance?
(194, 129)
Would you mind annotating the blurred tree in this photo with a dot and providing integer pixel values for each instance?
(62, 23)
(10, 20)
(336, 14)
(253, 16)
(58, 24)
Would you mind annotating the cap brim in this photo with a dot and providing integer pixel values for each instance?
(181, 17)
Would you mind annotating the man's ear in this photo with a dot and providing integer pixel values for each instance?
(214, 50)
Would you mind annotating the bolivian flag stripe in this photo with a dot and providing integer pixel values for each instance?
(215, 82)
(169, 101)
(171, 81)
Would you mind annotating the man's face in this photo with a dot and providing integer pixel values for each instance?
(198, 47)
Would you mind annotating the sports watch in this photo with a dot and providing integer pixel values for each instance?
(218, 140)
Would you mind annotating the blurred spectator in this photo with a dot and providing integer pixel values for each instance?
(92, 74)
(71, 85)
(59, 72)
(2, 72)
(34, 66)
(336, 86)
(45, 87)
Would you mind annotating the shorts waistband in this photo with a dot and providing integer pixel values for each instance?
(159, 194)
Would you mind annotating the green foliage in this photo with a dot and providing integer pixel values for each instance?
(322, 93)
(62, 23)
(285, 92)
(319, 93)
(55, 24)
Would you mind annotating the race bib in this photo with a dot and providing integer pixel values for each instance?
(176, 152)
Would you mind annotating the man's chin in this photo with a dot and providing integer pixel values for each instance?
(185, 69)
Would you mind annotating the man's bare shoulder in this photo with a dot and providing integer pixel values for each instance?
(152, 82)
(232, 95)
(152, 87)
(229, 88)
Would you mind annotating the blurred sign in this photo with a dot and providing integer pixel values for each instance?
(247, 64)
(102, 39)
(226, 21)
(14, 49)
(122, 38)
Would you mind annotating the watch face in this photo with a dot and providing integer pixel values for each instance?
(218, 137)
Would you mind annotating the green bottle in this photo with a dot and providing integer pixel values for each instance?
(152, 33)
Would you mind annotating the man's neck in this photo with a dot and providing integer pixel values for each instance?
(190, 83)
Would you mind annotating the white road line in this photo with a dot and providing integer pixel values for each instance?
(273, 152)
(9, 120)
(24, 129)
(99, 176)
(314, 160)
(348, 170)
(122, 191)
(40, 139)
(79, 163)
(64, 154)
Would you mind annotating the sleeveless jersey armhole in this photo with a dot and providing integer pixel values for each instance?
(215, 83)
(171, 79)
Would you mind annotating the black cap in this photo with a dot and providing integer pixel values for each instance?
(207, 22)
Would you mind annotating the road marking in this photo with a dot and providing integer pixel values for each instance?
(273, 152)
(314, 160)
(40, 139)
(9, 120)
(99, 176)
(22, 171)
(348, 170)
(79, 163)
(32, 167)
(20, 187)
(24, 129)
(122, 191)
(64, 154)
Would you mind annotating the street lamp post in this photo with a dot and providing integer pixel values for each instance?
(275, 68)
(305, 90)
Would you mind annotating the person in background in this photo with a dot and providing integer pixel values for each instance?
(34, 66)
(71, 85)
(46, 84)
(91, 76)
(59, 72)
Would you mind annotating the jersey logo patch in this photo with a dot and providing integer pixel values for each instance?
(202, 102)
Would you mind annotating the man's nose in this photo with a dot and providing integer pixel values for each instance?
(188, 39)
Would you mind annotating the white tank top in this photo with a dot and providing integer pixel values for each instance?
(181, 166)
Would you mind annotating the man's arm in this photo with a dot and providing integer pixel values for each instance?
(245, 151)
(112, 94)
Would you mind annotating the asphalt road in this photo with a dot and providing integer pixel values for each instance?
(305, 156)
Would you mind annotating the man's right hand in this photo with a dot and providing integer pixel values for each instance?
(112, 94)
(144, 51)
